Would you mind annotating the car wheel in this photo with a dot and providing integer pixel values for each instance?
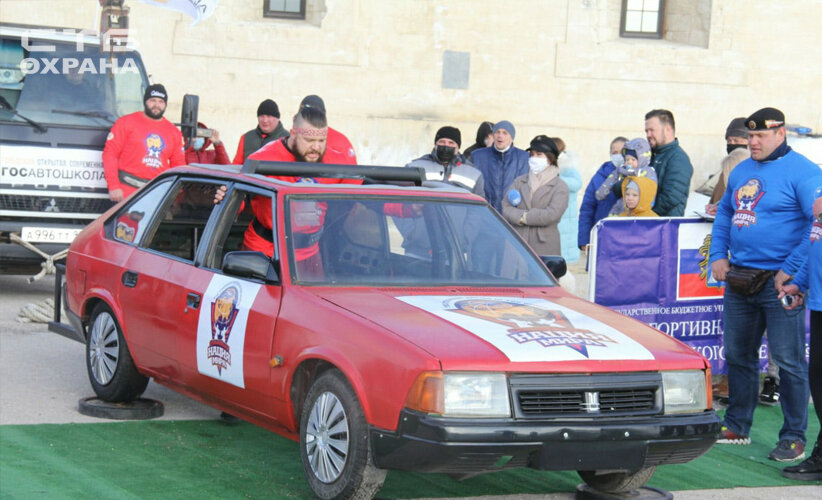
(334, 443)
(617, 482)
(111, 370)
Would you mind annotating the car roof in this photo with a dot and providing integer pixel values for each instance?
(391, 180)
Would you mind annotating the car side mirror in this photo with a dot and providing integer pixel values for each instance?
(188, 120)
(556, 264)
(244, 264)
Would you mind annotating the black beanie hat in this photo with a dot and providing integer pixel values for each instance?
(268, 107)
(447, 132)
(156, 90)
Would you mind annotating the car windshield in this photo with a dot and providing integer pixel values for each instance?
(405, 242)
(63, 85)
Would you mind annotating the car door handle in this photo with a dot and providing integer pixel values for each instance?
(130, 279)
(193, 300)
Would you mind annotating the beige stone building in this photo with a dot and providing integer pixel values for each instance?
(393, 71)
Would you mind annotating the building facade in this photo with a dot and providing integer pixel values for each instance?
(393, 71)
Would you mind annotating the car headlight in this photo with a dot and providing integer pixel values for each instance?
(459, 394)
(684, 392)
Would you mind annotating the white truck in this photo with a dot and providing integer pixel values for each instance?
(60, 92)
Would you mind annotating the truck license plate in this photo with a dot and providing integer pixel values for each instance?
(49, 234)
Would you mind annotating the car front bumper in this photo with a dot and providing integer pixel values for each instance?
(426, 443)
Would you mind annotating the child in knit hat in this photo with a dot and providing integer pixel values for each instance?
(637, 154)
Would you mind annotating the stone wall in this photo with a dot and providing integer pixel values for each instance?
(550, 66)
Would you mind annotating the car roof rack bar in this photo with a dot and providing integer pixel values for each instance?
(414, 175)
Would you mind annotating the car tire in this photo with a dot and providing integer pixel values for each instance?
(110, 367)
(617, 482)
(337, 464)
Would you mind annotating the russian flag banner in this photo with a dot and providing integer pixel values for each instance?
(694, 279)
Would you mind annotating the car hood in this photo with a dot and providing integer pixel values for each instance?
(529, 330)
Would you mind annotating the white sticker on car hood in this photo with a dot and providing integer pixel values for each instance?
(221, 328)
(527, 329)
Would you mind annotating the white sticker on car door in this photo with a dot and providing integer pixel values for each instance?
(527, 329)
(221, 328)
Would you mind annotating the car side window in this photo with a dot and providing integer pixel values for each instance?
(132, 221)
(230, 230)
(183, 220)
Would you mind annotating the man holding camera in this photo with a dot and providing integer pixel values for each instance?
(197, 150)
(762, 222)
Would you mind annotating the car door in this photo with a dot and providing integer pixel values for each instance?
(158, 306)
(227, 354)
(129, 226)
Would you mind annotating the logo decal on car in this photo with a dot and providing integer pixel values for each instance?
(516, 325)
(221, 328)
(529, 323)
(223, 313)
(128, 226)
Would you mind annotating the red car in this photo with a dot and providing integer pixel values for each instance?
(394, 327)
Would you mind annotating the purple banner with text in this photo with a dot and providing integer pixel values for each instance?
(656, 270)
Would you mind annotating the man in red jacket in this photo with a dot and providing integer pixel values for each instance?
(141, 145)
(197, 150)
(305, 143)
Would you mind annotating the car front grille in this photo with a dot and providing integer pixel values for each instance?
(613, 401)
(553, 396)
(54, 204)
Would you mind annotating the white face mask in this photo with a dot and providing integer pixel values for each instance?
(198, 143)
(617, 160)
(537, 164)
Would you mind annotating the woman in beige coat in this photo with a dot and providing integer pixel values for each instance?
(536, 201)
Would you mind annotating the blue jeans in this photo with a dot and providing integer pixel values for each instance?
(745, 319)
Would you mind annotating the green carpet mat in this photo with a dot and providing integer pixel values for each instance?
(163, 459)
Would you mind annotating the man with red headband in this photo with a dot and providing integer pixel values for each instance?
(305, 143)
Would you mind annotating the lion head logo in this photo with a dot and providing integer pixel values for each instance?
(154, 145)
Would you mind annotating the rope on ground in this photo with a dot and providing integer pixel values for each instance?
(41, 312)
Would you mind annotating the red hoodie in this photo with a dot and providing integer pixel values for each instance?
(138, 149)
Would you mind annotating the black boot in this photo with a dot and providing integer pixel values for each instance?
(809, 470)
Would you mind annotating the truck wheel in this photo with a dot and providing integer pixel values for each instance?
(617, 482)
(334, 443)
(111, 370)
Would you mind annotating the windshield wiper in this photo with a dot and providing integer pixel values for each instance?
(4, 104)
(93, 114)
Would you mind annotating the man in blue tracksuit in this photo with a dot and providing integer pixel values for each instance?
(763, 222)
(500, 163)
